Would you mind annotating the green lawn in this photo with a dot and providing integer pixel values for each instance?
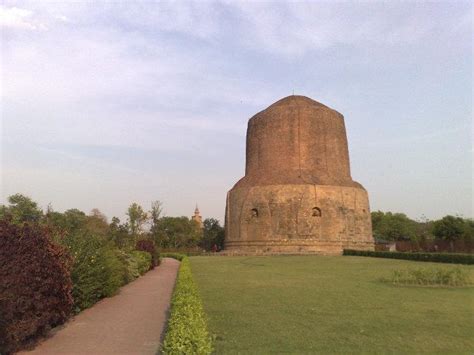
(303, 304)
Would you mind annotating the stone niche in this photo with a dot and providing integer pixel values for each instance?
(297, 195)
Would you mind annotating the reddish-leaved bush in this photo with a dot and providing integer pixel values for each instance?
(149, 246)
(35, 284)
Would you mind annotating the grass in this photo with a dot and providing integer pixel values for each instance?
(307, 304)
(434, 276)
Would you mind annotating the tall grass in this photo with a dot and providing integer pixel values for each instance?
(452, 277)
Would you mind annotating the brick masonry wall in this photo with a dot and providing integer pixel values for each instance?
(297, 194)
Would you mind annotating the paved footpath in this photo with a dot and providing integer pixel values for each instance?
(131, 322)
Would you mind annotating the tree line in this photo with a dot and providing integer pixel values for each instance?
(184, 233)
(166, 232)
(398, 227)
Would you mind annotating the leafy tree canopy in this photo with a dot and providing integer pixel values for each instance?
(392, 226)
(22, 209)
(137, 217)
(453, 228)
(213, 234)
(177, 232)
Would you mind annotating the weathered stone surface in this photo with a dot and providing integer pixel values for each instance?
(297, 194)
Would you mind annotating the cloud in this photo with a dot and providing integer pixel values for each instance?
(95, 88)
(196, 19)
(281, 28)
(95, 85)
(178, 81)
(433, 136)
(36, 16)
(296, 28)
(63, 18)
(116, 77)
(17, 18)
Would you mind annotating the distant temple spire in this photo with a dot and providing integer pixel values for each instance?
(197, 216)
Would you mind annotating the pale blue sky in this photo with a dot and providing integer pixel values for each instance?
(108, 103)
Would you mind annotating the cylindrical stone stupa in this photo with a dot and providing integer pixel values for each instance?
(297, 195)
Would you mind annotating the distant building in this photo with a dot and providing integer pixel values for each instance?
(197, 217)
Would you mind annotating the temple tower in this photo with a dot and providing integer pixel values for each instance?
(197, 216)
(297, 194)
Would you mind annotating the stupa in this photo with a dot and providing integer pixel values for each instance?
(297, 195)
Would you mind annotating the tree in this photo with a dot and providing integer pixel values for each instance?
(449, 228)
(74, 220)
(118, 233)
(23, 209)
(393, 226)
(213, 234)
(423, 229)
(76, 223)
(155, 217)
(469, 229)
(136, 219)
(155, 212)
(97, 224)
(3, 211)
(177, 232)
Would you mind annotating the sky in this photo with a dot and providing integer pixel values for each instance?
(108, 103)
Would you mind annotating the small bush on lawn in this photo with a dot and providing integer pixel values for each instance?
(35, 284)
(97, 271)
(433, 257)
(431, 277)
(148, 245)
(187, 327)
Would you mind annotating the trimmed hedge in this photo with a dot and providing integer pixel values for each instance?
(433, 257)
(187, 326)
(176, 256)
(35, 284)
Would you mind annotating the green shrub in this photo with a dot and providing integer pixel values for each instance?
(185, 251)
(148, 245)
(433, 257)
(130, 266)
(187, 326)
(97, 270)
(134, 264)
(142, 260)
(114, 271)
(176, 256)
(455, 276)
